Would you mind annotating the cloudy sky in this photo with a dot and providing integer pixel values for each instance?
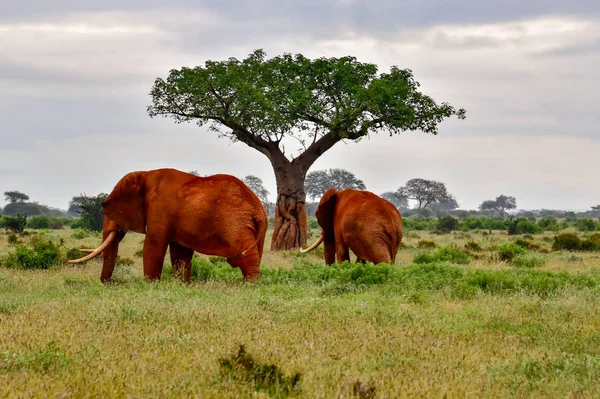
(75, 77)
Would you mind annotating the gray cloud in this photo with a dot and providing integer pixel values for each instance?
(75, 77)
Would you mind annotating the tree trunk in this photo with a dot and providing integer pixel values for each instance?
(290, 214)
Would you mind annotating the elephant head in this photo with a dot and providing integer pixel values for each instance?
(125, 204)
(325, 216)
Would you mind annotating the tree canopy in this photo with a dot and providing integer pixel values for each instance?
(396, 198)
(15, 196)
(269, 104)
(90, 209)
(425, 192)
(501, 204)
(319, 181)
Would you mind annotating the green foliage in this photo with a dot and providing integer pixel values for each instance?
(522, 226)
(267, 377)
(548, 223)
(443, 254)
(40, 253)
(419, 223)
(527, 244)
(84, 233)
(319, 181)
(42, 360)
(25, 208)
(566, 241)
(509, 250)
(425, 192)
(92, 212)
(313, 223)
(41, 222)
(16, 224)
(447, 224)
(483, 223)
(586, 224)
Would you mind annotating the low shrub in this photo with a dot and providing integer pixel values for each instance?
(426, 244)
(81, 233)
(41, 222)
(40, 253)
(509, 250)
(566, 241)
(473, 246)
(528, 261)
(522, 226)
(447, 224)
(527, 244)
(443, 254)
(16, 224)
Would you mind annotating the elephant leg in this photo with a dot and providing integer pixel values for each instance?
(155, 249)
(181, 260)
(109, 255)
(342, 252)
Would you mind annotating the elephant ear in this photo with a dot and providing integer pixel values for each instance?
(326, 211)
(125, 204)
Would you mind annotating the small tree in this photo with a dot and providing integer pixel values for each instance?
(396, 198)
(319, 181)
(257, 186)
(425, 192)
(316, 103)
(15, 196)
(90, 209)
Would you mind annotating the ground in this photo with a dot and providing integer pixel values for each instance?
(484, 329)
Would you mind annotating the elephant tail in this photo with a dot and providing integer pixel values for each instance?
(261, 226)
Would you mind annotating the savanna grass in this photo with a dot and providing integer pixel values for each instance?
(483, 329)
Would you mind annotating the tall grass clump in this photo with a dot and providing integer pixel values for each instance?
(443, 254)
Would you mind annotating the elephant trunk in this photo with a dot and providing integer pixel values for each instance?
(313, 246)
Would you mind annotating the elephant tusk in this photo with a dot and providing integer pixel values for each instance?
(316, 244)
(96, 251)
(86, 251)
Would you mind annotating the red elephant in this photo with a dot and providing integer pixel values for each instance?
(361, 221)
(214, 215)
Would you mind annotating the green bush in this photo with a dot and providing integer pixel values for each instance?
(16, 224)
(41, 222)
(566, 241)
(522, 226)
(585, 224)
(548, 223)
(473, 246)
(528, 261)
(509, 250)
(447, 224)
(591, 243)
(313, 223)
(443, 254)
(84, 233)
(40, 253)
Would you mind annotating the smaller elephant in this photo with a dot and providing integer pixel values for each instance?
(361, 221)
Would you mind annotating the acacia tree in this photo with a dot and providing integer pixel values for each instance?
(501, 204)
(319, 181)
(15, 196)
(316, 103)
(425, 192)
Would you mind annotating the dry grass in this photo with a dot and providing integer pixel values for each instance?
(63, 334)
